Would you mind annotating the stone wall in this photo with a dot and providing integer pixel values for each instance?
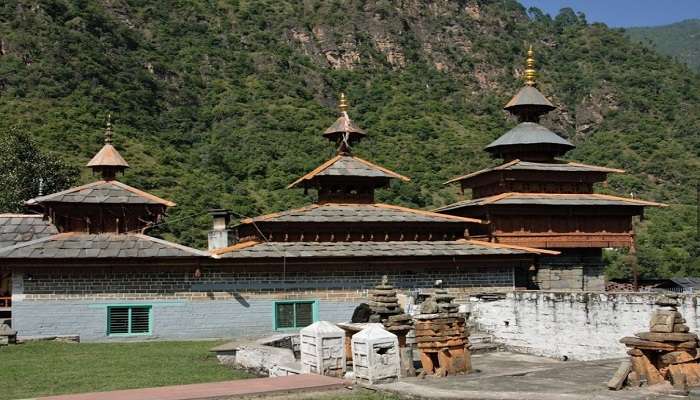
(578, 325)
(574, 269)
(219, 303)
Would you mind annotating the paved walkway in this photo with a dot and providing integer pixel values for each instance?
(216, 390)
(510, 376)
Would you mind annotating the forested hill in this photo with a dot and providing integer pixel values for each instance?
(680, 40)
(221, 103)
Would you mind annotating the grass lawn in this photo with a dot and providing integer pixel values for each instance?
(48, 368)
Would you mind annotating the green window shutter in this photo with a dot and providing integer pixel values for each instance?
(129, 320)
(285, 315)
(118, 320)
(304, 314)
(140, 320)
(294, 314)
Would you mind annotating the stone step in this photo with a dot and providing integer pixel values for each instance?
(475, 338)
(480, 348)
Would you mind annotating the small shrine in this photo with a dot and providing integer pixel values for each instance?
(375, 355)
(322, 349)
(441, 336)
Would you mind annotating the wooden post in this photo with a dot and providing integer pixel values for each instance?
(635, 265)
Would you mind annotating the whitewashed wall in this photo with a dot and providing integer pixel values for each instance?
(580, 326)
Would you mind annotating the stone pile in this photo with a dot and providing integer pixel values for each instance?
(441, 336)
(666, 353)
(7, 335)
(383, 302)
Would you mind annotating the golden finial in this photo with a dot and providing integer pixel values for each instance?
(108, 131)
(530, 72)
(343, 103)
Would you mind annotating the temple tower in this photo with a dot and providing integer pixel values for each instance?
(535, 199)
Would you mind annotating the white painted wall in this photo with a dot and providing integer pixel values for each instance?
(580, 326)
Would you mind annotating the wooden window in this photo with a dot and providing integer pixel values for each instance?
(129, 320)
(294, 314)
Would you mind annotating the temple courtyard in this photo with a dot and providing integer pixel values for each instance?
(187, 370)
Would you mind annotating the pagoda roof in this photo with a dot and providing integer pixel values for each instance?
(529, 133)
(108, 156)
(75, 245)
(551, 199)
(101, 192)
(529, 96)
(461, 247)
(518, 165)
(349, 166)
(363, 213)
(344, 125)
(18, 228)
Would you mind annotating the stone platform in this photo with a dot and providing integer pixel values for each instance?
(514, 376)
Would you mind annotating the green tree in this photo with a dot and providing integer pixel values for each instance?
(25, 170)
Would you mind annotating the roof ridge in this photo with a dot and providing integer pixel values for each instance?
(510, 246)
(39, 199)
(234, 247)
(492, 199)
(265, 217)
(316, 170)
(170, 244)
(379, 167)
(617, 170)
(430, 213)
(643, 202)
(141, 193)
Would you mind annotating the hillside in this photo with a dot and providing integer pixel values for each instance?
(680, 40)
(221, 103)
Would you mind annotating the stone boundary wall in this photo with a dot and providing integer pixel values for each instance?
(575, 325)
(225, 284)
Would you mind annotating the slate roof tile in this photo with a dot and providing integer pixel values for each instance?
(83, 245)
(16, 228)
(349, 166)
(344, 213)
(551, 199)
(102, 192)
(461, 247)
(516, 165)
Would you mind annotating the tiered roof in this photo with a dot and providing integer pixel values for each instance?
(520, 196)
(100, 220)
(346, 222)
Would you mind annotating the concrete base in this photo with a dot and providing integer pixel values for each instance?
(514, 376)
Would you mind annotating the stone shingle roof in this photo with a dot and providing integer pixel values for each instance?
(454, 248)
(17, 228)
(344, 213)
(529, 96)
(551, 199)
(102, 192)
(83, 245)
(349, 166)
(517, 165)
(527, 133)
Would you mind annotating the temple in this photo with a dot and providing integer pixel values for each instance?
(536, 199)
(83, 265)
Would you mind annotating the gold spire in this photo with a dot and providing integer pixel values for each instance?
(108, 131)
(343, 105)
(530, 72)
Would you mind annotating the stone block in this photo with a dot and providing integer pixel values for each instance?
(323, 349)
(375, 355)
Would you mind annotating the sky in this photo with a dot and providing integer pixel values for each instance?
(624, 13)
